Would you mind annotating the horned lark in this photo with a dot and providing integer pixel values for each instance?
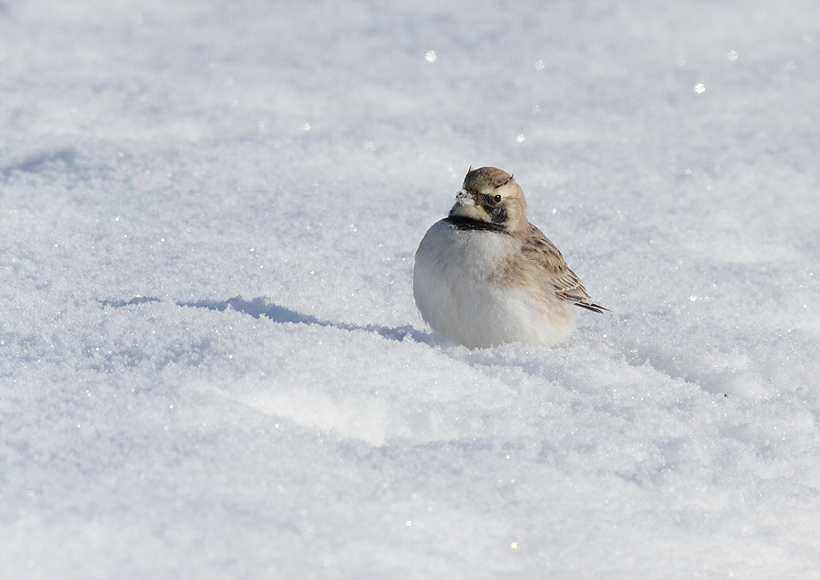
(485, 276)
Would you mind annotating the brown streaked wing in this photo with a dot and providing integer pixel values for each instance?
(565, 282)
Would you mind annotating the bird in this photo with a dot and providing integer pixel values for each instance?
(484, 276)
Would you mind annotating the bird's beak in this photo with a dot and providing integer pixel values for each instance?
(466, 206)
(464, 197)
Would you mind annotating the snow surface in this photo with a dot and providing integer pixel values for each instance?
(210, 360)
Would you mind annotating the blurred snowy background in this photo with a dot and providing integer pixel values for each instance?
(211, 365)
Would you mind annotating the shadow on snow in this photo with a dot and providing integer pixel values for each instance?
(259, 307)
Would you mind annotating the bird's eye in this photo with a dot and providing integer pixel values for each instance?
(497, 198)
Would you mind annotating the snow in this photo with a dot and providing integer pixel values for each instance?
(211, 365)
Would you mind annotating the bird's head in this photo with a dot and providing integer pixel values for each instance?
(491, 195)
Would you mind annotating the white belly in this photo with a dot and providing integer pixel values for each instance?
(457, 296)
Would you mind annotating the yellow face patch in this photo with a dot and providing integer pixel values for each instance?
(474, 212)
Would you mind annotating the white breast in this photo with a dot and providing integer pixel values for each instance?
(456, 291)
